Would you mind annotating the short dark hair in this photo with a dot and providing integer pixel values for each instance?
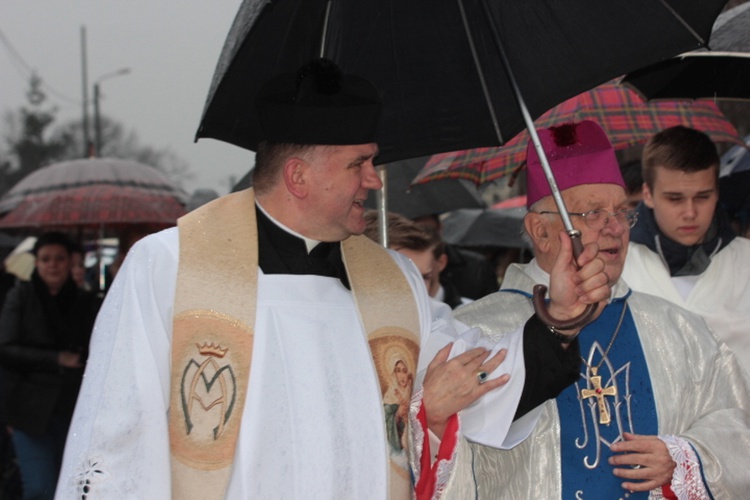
(632, 174)
(679, 148)
(54, 238)
(269, 159)
(404, 233)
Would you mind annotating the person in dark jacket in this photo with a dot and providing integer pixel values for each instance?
(45, 327)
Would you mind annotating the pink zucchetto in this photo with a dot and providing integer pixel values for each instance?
(579, 153)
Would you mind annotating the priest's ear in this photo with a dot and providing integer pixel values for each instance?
(538, 228)
(295, 174)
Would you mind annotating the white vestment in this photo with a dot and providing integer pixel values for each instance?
(312, 425)
(702, 395)
(721, 294)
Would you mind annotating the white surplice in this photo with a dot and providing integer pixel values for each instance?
(312, 425)
(721, 294)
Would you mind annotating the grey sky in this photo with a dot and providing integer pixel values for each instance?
(171, 48)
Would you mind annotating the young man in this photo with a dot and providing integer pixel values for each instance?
(684, 249)
(264, 350)
(659, 405)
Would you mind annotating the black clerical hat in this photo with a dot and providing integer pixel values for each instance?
(319, 105)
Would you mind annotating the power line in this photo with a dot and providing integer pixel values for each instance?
(26, 70)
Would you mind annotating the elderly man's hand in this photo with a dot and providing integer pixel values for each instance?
(648, 459)
(573, 288)
(451, 385)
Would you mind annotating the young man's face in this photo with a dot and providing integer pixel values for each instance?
(683, 203)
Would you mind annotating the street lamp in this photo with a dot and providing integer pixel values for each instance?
(97, 122)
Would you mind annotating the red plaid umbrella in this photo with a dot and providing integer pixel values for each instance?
(92, 193)
(626, 118)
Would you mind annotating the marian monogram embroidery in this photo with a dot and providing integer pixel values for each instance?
(604, 401)
(208, 390)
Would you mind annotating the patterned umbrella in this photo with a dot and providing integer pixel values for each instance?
(626, 118)
(92, 193)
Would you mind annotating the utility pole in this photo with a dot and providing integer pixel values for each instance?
(97, 96)
(85, 80)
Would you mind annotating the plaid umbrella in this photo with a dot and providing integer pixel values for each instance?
(92, 193)
(626, 118)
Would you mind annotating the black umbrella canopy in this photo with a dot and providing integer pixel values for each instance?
(721, 73)
(695, 75)
(442, 80)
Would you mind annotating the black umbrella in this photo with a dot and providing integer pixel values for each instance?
(438, 65)
(722, 73)
(450, 73)
(695, 75)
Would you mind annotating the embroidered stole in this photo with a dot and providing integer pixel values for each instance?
(584, 441)
(212, 341)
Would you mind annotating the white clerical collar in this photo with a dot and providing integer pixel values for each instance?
(440, 295)
(536, 273)
(309, 242)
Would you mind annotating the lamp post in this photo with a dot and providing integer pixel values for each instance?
(97, 121)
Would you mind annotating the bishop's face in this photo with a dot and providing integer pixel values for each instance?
(612, 238)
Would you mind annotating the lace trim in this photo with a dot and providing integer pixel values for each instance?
(445, 467)
(417, 434)
(88, 475)
(687, 480)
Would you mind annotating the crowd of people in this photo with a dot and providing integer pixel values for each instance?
(267, 347)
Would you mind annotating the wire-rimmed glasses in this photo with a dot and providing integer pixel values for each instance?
(598, 219)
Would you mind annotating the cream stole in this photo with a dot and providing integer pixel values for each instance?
(212, 340)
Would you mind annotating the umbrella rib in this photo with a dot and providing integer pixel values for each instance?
(482, 80)
(677, 16)
(324, 33)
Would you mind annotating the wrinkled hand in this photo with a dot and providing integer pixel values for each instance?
(648, 452)
(69, 359)
(572, 288)
(452, 385)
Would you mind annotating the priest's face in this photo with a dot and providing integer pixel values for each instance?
(340, 178)
(683, 202)
(612, 237)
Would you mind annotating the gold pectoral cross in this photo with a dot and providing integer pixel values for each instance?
(599, 393)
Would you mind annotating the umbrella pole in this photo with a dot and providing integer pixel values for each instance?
(575, 235)
(381, 201)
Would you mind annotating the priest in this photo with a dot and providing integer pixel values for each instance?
(262, 349)
(660, 408)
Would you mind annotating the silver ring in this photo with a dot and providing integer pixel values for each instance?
(482, 377)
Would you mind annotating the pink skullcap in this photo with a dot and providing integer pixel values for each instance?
(579, 153)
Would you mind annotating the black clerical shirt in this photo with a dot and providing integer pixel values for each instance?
(280, 252)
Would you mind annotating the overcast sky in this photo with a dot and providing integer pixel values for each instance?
(171, 48)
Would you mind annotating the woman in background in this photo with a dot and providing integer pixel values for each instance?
(45, 327)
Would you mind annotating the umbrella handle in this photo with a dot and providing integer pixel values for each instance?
(540, 291)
